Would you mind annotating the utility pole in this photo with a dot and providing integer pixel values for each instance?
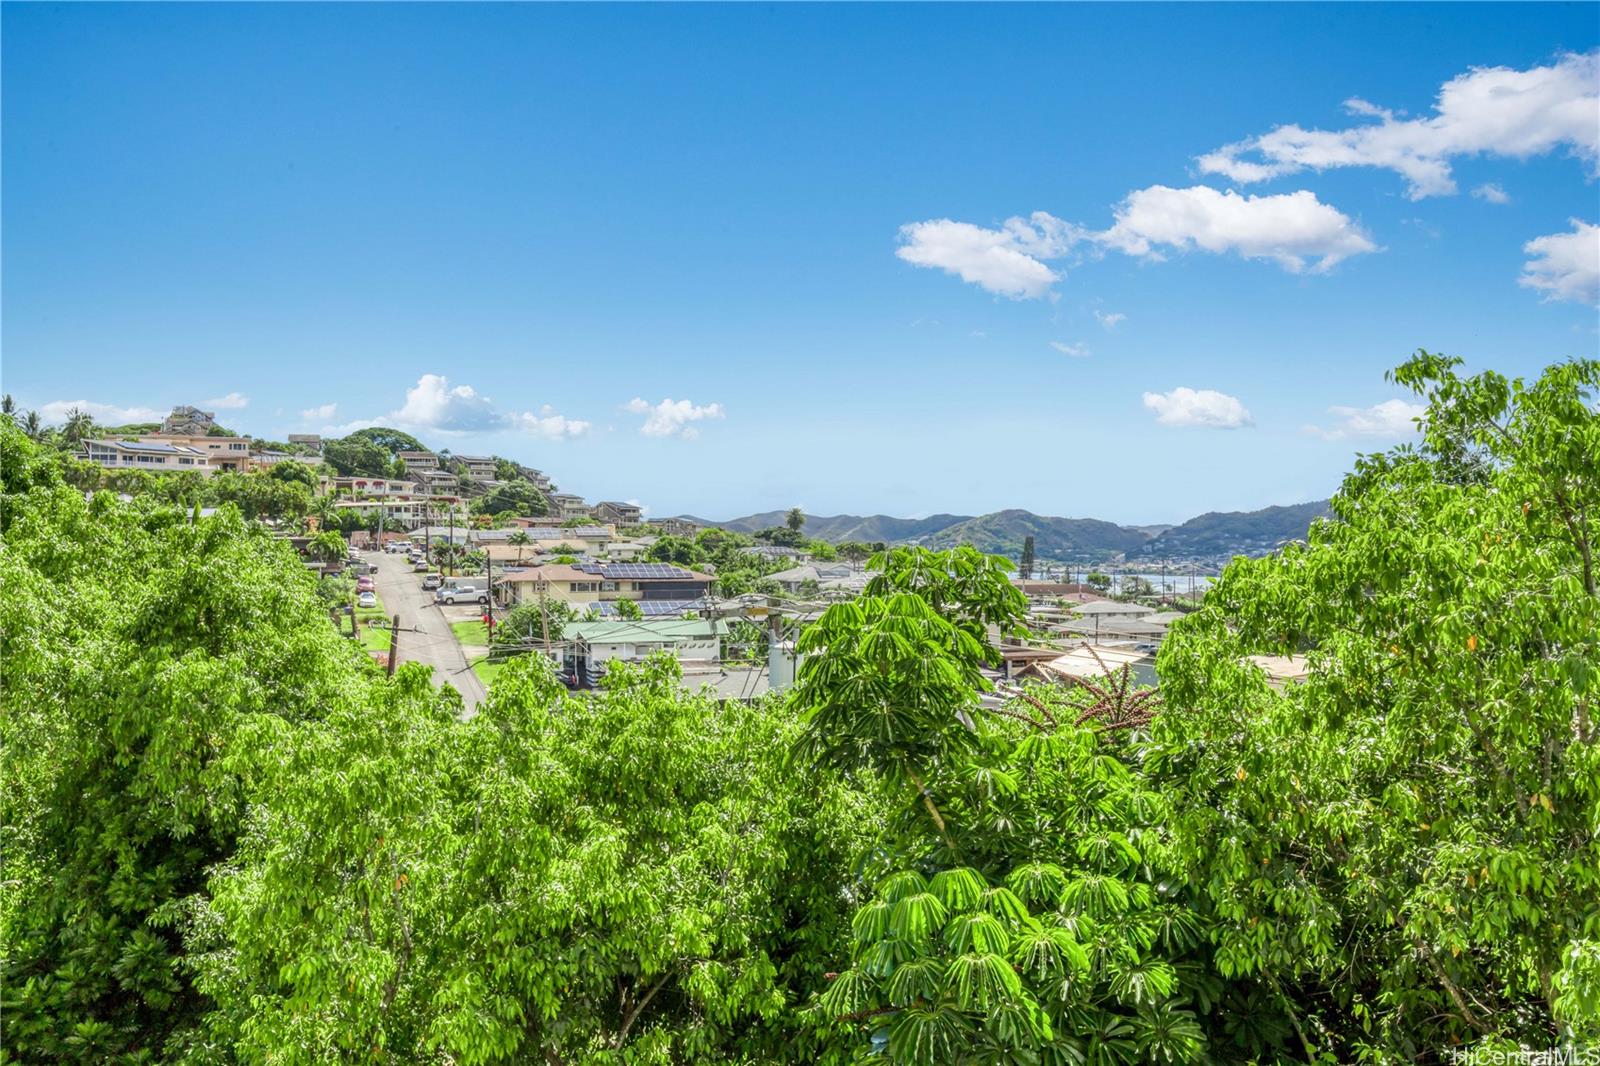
(544, 618)
(394, 642)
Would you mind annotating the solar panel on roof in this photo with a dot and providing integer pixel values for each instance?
(628, 571)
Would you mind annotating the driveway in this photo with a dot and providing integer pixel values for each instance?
(425, 635)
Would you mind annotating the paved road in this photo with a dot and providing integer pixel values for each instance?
(435, 645)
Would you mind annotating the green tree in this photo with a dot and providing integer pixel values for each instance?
(669, 549)
(290, 470)
(622, 877)
(134, 645)
(627, 610)
(78, 427)
(1405, 841)
(328, 546)
(794, 519)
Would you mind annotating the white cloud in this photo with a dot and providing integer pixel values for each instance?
(672, 418)
(1288, 229)
(1486, 111)
(321, 413)
(1491, 193)
(1077, 351)
(234, 401)
(108, 414)
(1391, 420)
(1006, 261)
(1110, 319)
(1197, 407)
(547, 423)
(1565, 266)
(433, 405)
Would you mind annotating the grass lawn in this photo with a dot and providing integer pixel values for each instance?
(475, 633)
(487, 671)
(374, 638)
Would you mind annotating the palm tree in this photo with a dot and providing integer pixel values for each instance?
(79, 425)
(521, 539)
(8, 406)
(795, 519)
(327, 546)
(31, 426)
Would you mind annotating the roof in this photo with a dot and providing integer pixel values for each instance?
(644, 629)
(1112, 607)
(548, 572)
(1282, 668)
(557, 533)
(1081, 662)
(162, 447)
(651, 608)
(621, 505)
(642, 572)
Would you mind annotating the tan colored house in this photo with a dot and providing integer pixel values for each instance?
(586, 583)
(221, 453)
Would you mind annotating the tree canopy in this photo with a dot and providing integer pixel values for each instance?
(230, 837)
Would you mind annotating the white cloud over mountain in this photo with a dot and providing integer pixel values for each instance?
(1487, 111)
(234, 401)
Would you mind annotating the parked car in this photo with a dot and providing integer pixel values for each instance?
(461, 594)
(372, 568)
(367, 599)
(365, 585)
(431, 582)
(419, 565)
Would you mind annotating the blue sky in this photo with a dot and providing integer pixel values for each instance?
(523, 229)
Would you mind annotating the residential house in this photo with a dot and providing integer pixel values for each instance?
(158, 457)
(309, 441)
(418, 461)
(221, 453)
(366, 486)
(617, 513)
(566, 507)
(695, 642)
(830, 577)
(266, 458)
(479, 467)
(676, 527)
(186, 421)
(435, 480)
(408, 511)
(584, 583)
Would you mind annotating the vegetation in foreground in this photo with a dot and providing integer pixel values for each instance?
(230, 838)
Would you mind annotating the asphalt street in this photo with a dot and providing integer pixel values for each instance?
(425, 635)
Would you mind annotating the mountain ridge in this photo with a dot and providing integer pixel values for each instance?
(1213, 535)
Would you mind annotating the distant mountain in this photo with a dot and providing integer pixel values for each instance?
(1212, 536)
(1083, 540)
(837, 529)
(1222, 534)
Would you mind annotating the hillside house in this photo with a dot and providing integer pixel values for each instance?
(187, 421)
(158, 457)
(565, 507)
(620, 514)
(418, 461)
(479, 467)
